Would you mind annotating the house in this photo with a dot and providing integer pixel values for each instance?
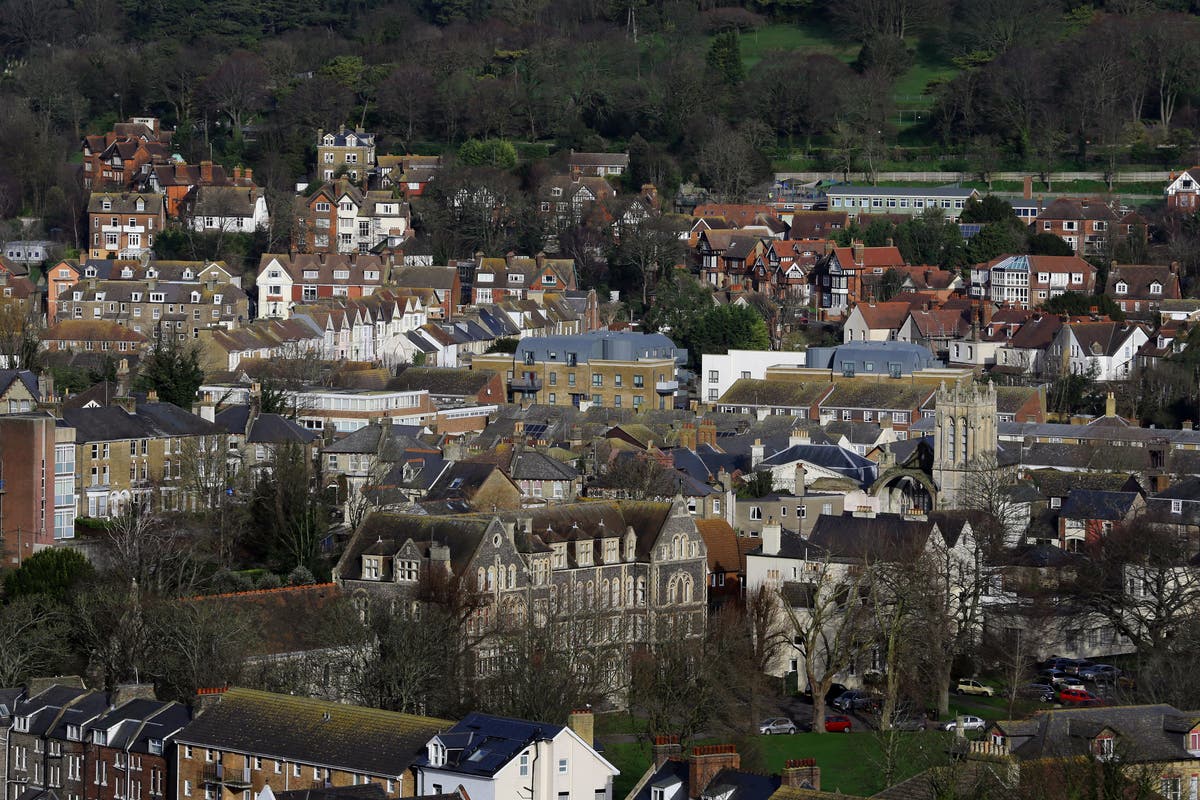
(497, 758)
(448, 386)
(936, 328)
(411, 174)
(130, 749)
(1178, 506)
(246, 739)
(21, 391)
(348, 152)
(94, 335)
(795, 512)
(875, 322)
(123, 225)
(726, 561)
(720, 370)
(564, 200)
(735, 215)
(48, 740)
(1088, 515)
(600, 165)
(223, 350)
(515, 277)
(180, 183)
(383, 456)
(726, 256)
(1087, 225)
(339, 217)
(227, 209)
(799, 463)
(478, 485)
(254, 437)
(1024, 351)
(287, 279)
(443, 283)
(138, 450)
(156, 309)
(1106, 349)
(938, 283)
(607, 369)
(1183, 190)
(817, 225)
(1157, 740)
(838, 277)
(30, 251)
(1028, 281)
(859, 200)
(626, 567)
(774, 397)
(124, 154)
(1140, 289)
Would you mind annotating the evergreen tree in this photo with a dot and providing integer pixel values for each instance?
(725, 57)
(171, 370)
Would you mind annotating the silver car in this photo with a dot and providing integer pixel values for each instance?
(776, 725)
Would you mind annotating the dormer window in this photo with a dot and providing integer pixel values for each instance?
(1156, 288)
(1194, 742)
(217, 299)
(156, 747)
(195, 297)
(329, 139)
(188, 275)
(152, 273)
(100, 738)
(437, 754)
(74, 733)
(1121, 288)
(90, 272)
(1103, 746)
(157, 297)
(127, 273)
(310, 274)
(141, 204)
(556, 191)
(341, 274)
(21, 724)
(106, 204)
(137, 297)
(371, 568)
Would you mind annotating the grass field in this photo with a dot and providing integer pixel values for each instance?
(849, 763)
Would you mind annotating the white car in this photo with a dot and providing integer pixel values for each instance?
(969, 723)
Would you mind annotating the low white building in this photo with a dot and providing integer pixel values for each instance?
(228, 209)
(498, 758)
(1107, 349)
(719, 371)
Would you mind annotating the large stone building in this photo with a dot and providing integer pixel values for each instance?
(965, 438)
(610, 575)
(602, 369)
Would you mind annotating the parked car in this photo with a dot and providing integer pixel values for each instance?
(1058, 678)
(855, 700)
(838, 724)
(836, 690)
(909, 722)
(776, 725)
(1057, 662)
(969, 723)
(974, 687)
(1100, 673)
(1077, 697)
(1076, 666)
(1042, 691)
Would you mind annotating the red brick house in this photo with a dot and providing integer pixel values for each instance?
(177, 180)
(1086, 224)
(129, 750)
(93, 335)
(726, 560)
(1183, 192)
(1139, 289)
(125, 154)
(286, 279)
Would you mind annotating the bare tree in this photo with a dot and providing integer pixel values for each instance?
(237, 88)
(999, 521)
(33, 633)
(198, 644)
(830, 624)
(20, 334)
(150, 551)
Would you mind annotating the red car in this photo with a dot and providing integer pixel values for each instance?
(1078, 697)
(837, 724)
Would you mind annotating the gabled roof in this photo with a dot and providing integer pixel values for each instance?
(482, 744)
(1077, 209)
(1096, 504)
(888, 316)
(535, 466)
(1144, 733)
(8, 376)
(884, 537)
(354, 738)
(721, 542)
(757, 392)
(1137, 279)
(1102, 338)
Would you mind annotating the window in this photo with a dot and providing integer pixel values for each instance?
(1177, 508)
(1171, 788)
(187, 788)
(1121, 288)
(523, 763)
(756, 512)
(597, 379)
(563, 766)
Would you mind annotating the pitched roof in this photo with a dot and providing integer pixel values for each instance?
(1137, 279)
(888, 316)
(721, 541)
(289, 619)
(354, 738)
(753, 391)
(482, 744)
(1101, 338)
(124, 203)
(1144, 732)
(1098, 504)
(884, 536)
(91, 330)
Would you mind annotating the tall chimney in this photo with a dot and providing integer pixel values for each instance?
(756, 453)
(1110, 405)
(706, 762)
(1028, 192)
(801, 474)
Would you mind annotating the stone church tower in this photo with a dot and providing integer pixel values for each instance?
(964, 439)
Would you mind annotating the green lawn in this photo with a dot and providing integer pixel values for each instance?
(849, 763)
(618, 722)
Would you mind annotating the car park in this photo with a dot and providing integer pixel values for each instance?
(776, 725)
(1058, 678)
(973, 687)
(838, 723)
(969, 723)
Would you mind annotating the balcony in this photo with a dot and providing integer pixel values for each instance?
(666, 387)
(217, 775)
(527, 384)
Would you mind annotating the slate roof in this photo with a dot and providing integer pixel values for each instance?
(1102, 338)
(885, 396)
(91, 330)
(125, 203)
(728, 784)
(1138, 277)
(46, 709)
(599, 159)
(1144, 732)
(266, 428)
(882, 537)
(481, 744)
(887, 316)
(8, 376)
(1092, 504)
(365, 791)
(792, 394)
(442, 380)
(133, 724)
(530, 465)
(289, 619)
(828, 456)
(354, 738)
(441, 278)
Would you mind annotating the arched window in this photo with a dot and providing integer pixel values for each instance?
(672, 588)
(604, 595)
(491, 578)
(641, 591)
(962, 439)
(590, 597)
(480, 580)
(616, 593)
(629, 591)
(950, 440)
(686, 593)
(512, 576)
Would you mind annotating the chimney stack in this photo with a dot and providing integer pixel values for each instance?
(802, 773)
(206, 172)
(1110, 405)
(801, 475)
(772, 537)
(1028, 192)
(756, 453)
(664, 748)
(583, 723)
(706, 433)
(706, 762)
